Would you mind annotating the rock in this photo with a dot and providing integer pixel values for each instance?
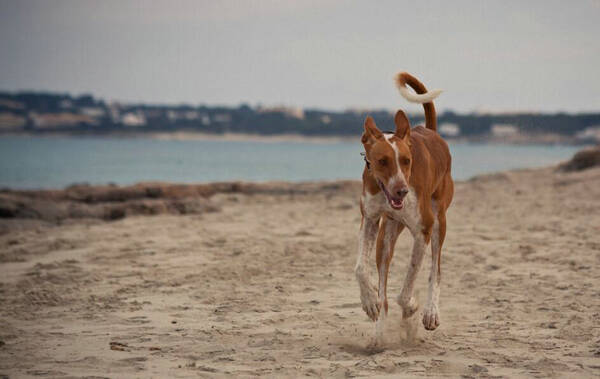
(8, 207)
(114, 213)
(111, 202)
(583, 159)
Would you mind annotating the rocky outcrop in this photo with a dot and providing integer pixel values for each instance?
(584, 159)
(112, 202)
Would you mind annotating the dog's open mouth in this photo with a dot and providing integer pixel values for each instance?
(394, 202)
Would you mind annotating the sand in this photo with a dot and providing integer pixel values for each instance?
(265, 286)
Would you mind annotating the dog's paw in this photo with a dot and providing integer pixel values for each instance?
(370, 302)
(431, 318)
(409, 307)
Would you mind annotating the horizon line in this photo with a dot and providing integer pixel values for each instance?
(259, 105)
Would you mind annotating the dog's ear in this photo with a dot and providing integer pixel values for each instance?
(402, 126)
(371, 131)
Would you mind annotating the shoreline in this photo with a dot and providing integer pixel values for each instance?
(241, 182)
(111, 201)
(518, 140)
(255, 183)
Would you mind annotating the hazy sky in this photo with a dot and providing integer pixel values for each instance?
(498, 56)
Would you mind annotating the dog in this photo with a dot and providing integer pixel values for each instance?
(406, 184)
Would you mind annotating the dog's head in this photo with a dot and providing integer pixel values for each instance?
(389, 158)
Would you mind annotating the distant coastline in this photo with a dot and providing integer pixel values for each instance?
(62, 114)
(516, 139)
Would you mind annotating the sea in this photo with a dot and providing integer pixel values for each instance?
(39, 162)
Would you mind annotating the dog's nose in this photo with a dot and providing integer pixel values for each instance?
(402, 192)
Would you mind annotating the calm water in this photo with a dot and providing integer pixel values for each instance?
(54, 162)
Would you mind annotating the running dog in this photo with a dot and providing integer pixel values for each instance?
(406, 184)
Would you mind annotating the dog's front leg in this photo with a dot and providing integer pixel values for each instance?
(406, 299)
(368, 292)
(386, 240)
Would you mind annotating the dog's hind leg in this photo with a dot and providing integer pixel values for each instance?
(386, 240)
(440, 202)
(431, 316)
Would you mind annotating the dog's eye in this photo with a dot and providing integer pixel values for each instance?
(383, 161)
(406, 161)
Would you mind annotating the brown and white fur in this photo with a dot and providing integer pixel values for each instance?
(406, 184)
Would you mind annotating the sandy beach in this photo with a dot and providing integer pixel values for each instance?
(261, 283)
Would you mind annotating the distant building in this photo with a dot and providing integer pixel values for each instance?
(65, 104)
(60, 120)
(205, 119)
(590, 134)
(172, 115)
(133, 119)
(114, 111)
(95, 112)
(449, 130)
(296, 112)
(191, 115)
(325, 119)
(222, 117)
(10, 104)
(11, 121)
(358, 111)
(293, 112)
(504, 130)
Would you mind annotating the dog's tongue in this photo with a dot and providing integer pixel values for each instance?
(396, 203)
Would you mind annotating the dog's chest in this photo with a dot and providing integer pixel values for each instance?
(409, 215)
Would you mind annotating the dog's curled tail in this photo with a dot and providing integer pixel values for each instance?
(422, 96)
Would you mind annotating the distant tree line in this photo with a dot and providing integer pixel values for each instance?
(103, 117)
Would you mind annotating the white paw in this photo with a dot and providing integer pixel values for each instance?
(370, 301)
(409, 307)
(431, 318)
